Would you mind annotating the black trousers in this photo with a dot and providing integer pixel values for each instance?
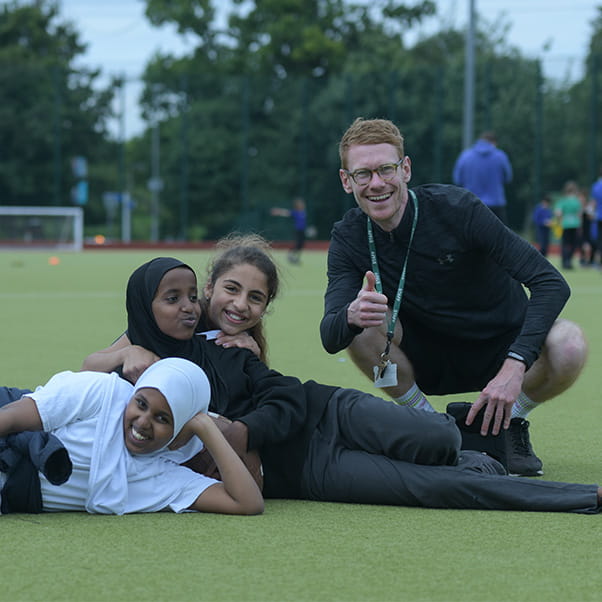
(371, 451)
(569, 245)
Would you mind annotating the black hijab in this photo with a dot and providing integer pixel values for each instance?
(142, 326)
(143, 330)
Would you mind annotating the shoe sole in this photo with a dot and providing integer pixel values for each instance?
(539, 473)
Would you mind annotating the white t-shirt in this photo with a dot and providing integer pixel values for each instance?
(69, 406)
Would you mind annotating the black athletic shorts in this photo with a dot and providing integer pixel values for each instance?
(444, 364)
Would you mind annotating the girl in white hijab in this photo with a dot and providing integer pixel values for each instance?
(126, 443)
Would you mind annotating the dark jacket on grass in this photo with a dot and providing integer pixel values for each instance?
(22, 457)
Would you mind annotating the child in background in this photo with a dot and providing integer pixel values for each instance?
(587, 239)
(299, 216)
(543, 218)
(568, 210)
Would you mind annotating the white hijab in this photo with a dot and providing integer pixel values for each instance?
(183, 384)
(187, 391)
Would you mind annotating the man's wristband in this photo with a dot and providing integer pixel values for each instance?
(516, 356)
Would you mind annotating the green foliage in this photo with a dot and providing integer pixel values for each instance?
(266, 108)
(50, 112)
(195, 16)
(252, 116)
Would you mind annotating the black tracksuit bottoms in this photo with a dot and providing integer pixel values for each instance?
(370, 451)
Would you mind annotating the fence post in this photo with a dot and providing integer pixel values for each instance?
(593, 128)
(184, 164)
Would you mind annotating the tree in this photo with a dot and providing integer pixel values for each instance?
(251, 118)
(50, 112)
(251, 95)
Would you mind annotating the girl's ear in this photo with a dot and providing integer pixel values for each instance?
(208, 290)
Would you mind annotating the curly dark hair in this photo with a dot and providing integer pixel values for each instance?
(236, 249)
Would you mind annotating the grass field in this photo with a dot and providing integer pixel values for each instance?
(54, 315)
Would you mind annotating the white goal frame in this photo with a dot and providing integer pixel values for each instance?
(73, 239)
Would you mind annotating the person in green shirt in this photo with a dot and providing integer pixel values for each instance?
(568, 210)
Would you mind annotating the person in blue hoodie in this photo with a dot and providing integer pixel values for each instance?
(484, 169)
(596, 196)
(543, 218)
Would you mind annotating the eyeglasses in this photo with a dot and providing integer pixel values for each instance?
(385, 172)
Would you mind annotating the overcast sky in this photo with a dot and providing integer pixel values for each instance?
(120, 39)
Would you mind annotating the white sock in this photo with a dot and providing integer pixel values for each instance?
(522, 406)
(414, 398)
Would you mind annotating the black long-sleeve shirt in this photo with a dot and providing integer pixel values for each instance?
(465, 273)
(280, 412)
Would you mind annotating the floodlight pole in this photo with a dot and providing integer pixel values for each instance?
(124, 196)
(469, 77)
(155, 183)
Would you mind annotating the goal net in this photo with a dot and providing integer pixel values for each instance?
(60, 228)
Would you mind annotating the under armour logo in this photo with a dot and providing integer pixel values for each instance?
(446, 259)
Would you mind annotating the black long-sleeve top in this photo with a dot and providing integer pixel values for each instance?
(280, 412)
(465, 273)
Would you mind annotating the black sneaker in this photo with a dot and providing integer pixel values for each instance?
(522, 461)
(494, 446)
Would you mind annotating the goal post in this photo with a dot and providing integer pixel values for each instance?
(60, 228)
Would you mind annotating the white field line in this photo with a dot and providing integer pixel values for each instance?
(62, 295)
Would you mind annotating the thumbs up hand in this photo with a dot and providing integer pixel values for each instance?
(369, 308)
(369, 282)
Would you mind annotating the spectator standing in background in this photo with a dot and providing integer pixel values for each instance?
(484, 169)
(299, 216)
(596, 194)
(587, 240)
(543, 217)
(568, 210)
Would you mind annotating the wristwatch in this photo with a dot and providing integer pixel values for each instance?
(516, 356)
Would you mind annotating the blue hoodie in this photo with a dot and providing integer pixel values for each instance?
(484, 169)
(596, 194)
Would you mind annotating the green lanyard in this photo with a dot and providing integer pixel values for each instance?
(402, 278)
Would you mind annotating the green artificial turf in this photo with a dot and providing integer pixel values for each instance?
(54, 315)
